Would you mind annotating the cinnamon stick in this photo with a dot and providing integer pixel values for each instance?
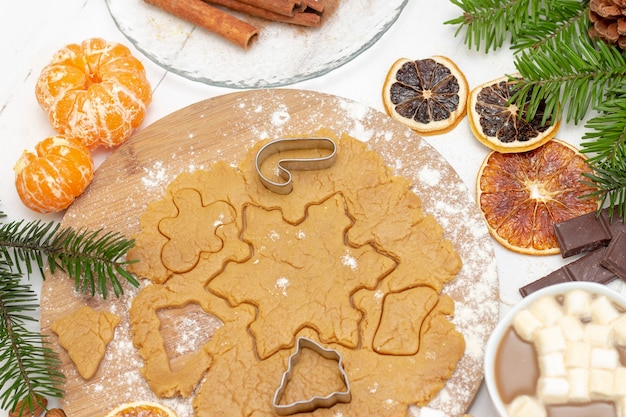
(282, 7)
(317, 5)
(211, 18)
(300, 18)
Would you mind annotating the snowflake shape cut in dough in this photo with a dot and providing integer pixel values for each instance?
(302, 276)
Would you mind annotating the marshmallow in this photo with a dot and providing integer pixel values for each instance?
(619, 330)
(552, 364)
(600, 384)
(547, 309)
(578, 379)
(524, 406)
(603, 311)
(578, 354)
(620, 407)
(526, 325)
(604, 358)
(619, 383)
(553, 390)
(573, 329)
(577, 303)
(599, 335)
(550, 339)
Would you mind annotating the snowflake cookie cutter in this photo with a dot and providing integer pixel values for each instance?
(315, 402)
(303, 164)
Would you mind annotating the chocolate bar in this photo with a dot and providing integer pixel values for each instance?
(583, 233)
(615, 257)
(615, 223)
(602, 237)
(586, 268)
(555, 277)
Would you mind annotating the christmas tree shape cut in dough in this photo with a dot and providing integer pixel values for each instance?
(315, 378)
(85, 334)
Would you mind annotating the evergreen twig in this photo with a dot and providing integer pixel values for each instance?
(553, 24)
(28, 367)
(94, 259)
(564, 73)
(605, 143)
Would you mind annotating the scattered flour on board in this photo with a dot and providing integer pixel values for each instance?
(282, 284)
(349, 261)
(154, 176)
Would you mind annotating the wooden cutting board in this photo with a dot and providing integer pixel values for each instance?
(224, 128)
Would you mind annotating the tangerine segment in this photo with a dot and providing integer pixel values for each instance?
(142, 409)
(96, 91)
(428, 95)
(501, 125)
(522, 195)
(50, 179)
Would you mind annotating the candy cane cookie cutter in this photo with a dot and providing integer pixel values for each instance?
(287, 164)
(311, 404)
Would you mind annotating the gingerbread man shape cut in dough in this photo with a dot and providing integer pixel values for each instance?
(187, 240)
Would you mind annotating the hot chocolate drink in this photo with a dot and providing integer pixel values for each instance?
(564, 356)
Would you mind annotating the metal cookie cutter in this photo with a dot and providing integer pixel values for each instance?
(284, 165)
(314, 402)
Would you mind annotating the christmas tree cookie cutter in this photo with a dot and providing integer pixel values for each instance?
(287, 164)
(316, 402)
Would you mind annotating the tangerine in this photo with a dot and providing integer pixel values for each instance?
(96, 91)
(428, 95)
(501, 125)
(141, 409)
(50, 179)
(522, 195)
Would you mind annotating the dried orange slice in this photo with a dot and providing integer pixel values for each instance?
(142, 409)
(522, 195)
(428, 95)
(96, 91)
(51, 178)
(502, 126)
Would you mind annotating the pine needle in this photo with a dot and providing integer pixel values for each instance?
(94, 259)
(28, 366)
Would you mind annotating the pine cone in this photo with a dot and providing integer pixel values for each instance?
(609, 21)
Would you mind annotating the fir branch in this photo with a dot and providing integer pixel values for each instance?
(571, 79)
(553, 24)
(28, 367)
(563, 73)
(94, 259)
(610, 188)
(605, 145)
(490, 21)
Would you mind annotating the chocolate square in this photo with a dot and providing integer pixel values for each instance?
(582, 234)
(615, 257)
(555, 277)
(589, 268)
(615, 223)
(586, 268)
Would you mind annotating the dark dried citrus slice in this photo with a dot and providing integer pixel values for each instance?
(428, 95)
(502, 126)
(522, 195)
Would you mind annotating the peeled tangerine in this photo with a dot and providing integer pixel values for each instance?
(50, 179)
(96, 91)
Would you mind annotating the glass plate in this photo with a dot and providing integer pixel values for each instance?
(281, 55)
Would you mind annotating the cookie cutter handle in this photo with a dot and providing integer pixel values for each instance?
(287, 164)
